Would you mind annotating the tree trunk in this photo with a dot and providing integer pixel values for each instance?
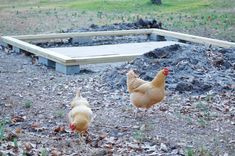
(158, 2)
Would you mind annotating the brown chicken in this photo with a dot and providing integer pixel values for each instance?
(80, 115)
(144, 94)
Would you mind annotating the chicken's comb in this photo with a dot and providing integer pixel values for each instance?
(165, 71)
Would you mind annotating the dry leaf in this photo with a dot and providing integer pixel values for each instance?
(35, 125)
(55, 152)
(59, 129)
(18, 130)
(28, 146)
(16, 119)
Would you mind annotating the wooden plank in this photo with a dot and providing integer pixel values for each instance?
(192, 38)
(35, 49)
(65, 60)
(82, 34)
(182, 36)
(102, 59)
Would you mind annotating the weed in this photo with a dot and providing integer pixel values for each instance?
(178, 114)
(59, 113)
(99, 14)
(2, 126)
(28, 104)
(202, 122)
(138, 135)
(83, 12)
(204, 152)
(189, 152)
(189, 119)
(204, 108)
(200, 152)
(44, 152)
(201, 106)
(15, 143)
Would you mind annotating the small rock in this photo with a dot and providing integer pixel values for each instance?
(52, 78)
(163, 147)
(225, 154)
(232, 142)
(99, 152)
(28, 146)
(163, 108)
(136, 127)
(181, 152)
(175, 151)
(153, 154)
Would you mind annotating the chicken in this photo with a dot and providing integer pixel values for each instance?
(144, 94)
(80, 115)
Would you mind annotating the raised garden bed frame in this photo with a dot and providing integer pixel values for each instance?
(69, 65)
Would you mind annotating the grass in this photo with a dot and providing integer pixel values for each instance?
(139, 135)
(28, 104)
(189, 152)
(200, 152)
(139, 6)
(2, 127)
(210, 18)
(15, 143)
(44, 152)
(129, 6)
(59, 113)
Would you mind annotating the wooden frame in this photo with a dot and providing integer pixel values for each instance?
(193, 38)
(20, 42)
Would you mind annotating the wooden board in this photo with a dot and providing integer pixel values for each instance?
(177, 35)
(193, 38)
(83, 34)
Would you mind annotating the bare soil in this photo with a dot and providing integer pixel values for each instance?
(35, 102)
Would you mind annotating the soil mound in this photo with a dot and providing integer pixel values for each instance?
(193, 69)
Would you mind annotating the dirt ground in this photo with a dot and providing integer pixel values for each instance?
(35, 102)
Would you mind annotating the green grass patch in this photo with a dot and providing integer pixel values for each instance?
(2, 127)
(143, 6)
(59, 113)
(28, 104)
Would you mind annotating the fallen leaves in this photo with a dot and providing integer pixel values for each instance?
(18, 130)
(55, 152)
(16, 119)
(28, 146)
(59, 129)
